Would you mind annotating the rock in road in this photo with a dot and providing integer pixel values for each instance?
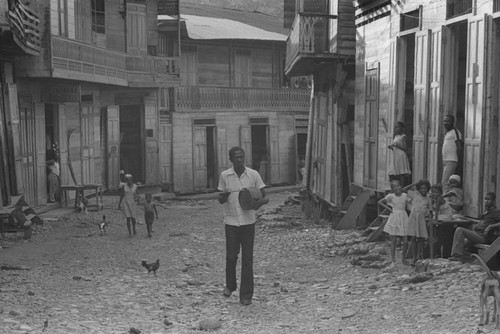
(78, 281)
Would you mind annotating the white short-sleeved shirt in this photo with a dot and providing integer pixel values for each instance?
(449, 150)
(229, 181)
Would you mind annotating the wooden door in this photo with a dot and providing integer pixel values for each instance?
(222, 151)
(246, 143)
(28, 150)
(396, 91)
(371, 122)
(63, 145)
(151, 144)
(478, 33)
(87, 143)
(421, 89)
(320, 144)
(165, 154)
(188, 69)
(200, 158)
(274, 154)
(40, 147)
(242, 68)
(113, 145)
(435, 111)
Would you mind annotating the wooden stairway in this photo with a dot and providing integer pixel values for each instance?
(377, 225)
(352, 207)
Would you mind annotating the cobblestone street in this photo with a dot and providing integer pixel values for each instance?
(71, 279)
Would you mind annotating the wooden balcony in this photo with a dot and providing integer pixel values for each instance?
(23, 36)
(245, 99)
(315, 38)
(81, 61)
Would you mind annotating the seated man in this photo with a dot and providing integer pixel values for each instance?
(481, 231)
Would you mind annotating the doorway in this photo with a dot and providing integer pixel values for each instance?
(205, 155)
(409, 95)
(458, 75)
(260, 156)
(211, 158)
(131, 143)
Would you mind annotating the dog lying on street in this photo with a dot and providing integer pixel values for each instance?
(490, 286)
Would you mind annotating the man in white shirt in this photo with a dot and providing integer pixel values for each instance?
(449, 150)
(239, 223)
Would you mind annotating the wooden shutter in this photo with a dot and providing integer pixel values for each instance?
(28, 169)
(274, 155)
(87, 143)
(242, 70)
(63, 145)
(200, 158)
(246, 143)
(421, 87)
(435, 111)
(188, 69)
(151, 143)
(40, 147)
(165, 155)
(372, 78)
(83, 23)
(393, 91)
(479, 31)
(136, 29)
(222, 150)
(113, 145)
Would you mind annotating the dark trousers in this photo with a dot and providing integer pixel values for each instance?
(236, 237)
(459, 237)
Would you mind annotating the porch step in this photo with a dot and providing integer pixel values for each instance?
(353, 206)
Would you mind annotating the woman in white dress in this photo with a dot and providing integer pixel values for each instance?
(400, 169)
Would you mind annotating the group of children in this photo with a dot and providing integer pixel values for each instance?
(422, 206)
(130, 196)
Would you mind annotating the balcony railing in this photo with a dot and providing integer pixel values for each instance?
(217, 98)
(24, 24)
(456, 8)
(102, 65)
(311, 35)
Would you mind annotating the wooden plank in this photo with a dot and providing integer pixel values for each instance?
(151, 143)
(350, 218)
(491, 251)
(41, 169)
(200, 158)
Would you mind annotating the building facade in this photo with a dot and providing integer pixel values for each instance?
(416, 62)
(232, 93)
(94, 91)
(321, 43)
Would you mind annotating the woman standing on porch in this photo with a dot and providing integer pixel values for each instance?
(400, 169)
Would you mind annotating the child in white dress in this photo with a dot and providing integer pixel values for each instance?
(397, 223)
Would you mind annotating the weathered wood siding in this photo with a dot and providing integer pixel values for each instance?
(437, 70)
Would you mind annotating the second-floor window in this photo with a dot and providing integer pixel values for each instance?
(62, 15)
(98, 22)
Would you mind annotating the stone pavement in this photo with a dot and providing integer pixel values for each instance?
(70, 279)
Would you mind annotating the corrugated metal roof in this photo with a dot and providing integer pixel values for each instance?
(253, 18)
(210, 28)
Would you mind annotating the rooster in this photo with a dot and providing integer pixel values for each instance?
(103, 225)
(151, 267)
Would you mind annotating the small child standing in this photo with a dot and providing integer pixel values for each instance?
(149, 213)
(440, 208)
(454, 196)
(417, 221)
(397, 223)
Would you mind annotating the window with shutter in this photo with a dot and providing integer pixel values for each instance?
(98, 21)
(136, 29)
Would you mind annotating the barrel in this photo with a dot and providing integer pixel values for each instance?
(248, 196)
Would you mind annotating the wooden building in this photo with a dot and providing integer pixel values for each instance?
(417, 61)
(321, 43)
(232, 93)
(94, 90)
(19, 37)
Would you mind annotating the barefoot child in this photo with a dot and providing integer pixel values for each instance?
(129, 196)
(397, 223)
(417, 226)
(149, 213)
